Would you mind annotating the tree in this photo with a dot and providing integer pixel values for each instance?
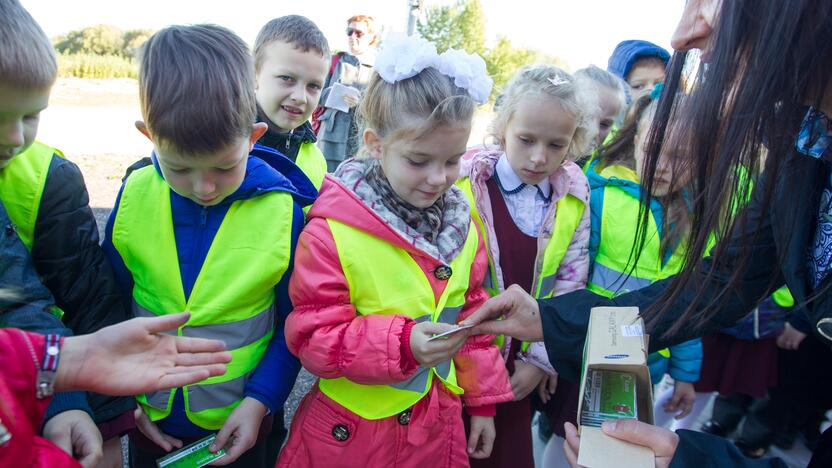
(100, 39)
(462, 26)
(457, 26)
(503, 60)
(471, 24)
(438, 26)
(133, 39)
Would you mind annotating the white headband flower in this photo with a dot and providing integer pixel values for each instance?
(403, 57)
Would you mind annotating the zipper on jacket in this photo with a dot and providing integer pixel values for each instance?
(203, 217)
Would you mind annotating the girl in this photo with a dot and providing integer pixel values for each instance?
(529, 200)
(612, 100)
(616, 203)
(390, 257)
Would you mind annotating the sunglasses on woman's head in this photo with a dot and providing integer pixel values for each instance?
(358, 34)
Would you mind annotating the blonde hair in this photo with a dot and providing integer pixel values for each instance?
(551, 81)
(28, 59)
(413, 107)
(593, 74)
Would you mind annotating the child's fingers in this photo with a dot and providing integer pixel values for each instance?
(552, 384)
(473, 438)
(484, 446)
(223, 435)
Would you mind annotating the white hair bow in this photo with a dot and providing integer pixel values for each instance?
(403, 57)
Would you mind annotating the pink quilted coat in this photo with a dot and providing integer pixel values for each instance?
(332, 340)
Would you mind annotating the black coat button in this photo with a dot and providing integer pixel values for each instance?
(443, 272)
(404, 417)
(340, 432)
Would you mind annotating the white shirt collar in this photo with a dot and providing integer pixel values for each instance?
(510, 180)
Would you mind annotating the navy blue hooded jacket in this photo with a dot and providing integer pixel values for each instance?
(194, 228)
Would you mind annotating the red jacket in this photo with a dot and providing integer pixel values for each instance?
(333, 341)
(21, 412)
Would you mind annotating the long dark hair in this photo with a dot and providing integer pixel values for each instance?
(769, 58)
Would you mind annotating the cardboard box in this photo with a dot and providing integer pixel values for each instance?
(616, 341)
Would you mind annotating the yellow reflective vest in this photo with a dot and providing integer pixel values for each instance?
(311, 161)
(569, 212)
(612, 270)
(21, 186)
(233, 297)
(394, 284)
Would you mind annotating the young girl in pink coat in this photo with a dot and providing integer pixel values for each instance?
(389, 258)
(532, 200)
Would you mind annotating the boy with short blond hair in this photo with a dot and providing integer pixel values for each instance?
(210, 227)
(291, 59)
(46, 202)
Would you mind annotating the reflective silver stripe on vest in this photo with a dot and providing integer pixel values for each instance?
(616, 281)
(419, 380)
(488, 281)
(216, 395)
(158, 400)
(547, 285)
(235, 334)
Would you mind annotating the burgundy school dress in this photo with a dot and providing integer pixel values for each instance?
(731, 365)
(513, 444)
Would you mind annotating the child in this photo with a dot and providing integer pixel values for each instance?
(640, 64)
(47, 204)
(209, 228)
(291, 61)
(611, 97)
(616, 203)
(390, 256)
(529, 201)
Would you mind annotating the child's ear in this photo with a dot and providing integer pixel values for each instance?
(372, 142)
(257, 130)
(142, 128)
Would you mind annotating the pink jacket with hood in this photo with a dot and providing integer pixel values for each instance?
(332, 340)
(478, 164)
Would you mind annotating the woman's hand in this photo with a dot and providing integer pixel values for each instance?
(658, 439)
(137, 356)
(432, 353)
(525, 379)
(519, 313)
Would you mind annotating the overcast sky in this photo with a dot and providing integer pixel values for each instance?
(578, 31)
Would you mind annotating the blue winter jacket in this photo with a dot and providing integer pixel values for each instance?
(685, 360)
(194, 229)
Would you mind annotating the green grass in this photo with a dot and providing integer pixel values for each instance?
(96, 66)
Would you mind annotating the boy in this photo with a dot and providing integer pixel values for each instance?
(291, 61)
(46, 202)
(210, 228)
(640, 64)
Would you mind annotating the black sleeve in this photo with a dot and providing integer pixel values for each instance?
(68, 257)
(73, 266)
(565, 318)
(25, 303)
(700, 450)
